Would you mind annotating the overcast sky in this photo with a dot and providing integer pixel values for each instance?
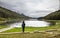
(32, 8)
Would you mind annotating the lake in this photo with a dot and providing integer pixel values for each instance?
(29, 23)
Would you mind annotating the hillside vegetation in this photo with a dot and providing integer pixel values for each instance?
(53, 16)
(8, 14)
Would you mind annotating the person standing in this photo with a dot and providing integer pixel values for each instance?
(23, 26)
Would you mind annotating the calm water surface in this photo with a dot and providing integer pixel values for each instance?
(31, 23)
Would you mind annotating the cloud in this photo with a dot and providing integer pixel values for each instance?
(30, 7)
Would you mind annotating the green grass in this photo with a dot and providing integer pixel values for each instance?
(1, 27)
(29, 35)
(32, 29)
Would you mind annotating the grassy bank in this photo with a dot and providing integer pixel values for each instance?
(3, 26)
(47, 34)
(32, 29)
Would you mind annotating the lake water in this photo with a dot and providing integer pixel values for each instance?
(31, 23)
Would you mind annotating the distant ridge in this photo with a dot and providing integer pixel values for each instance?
(53, 16)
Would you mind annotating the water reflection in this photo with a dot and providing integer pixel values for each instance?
(31, 23)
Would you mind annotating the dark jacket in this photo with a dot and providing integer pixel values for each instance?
(23, 24)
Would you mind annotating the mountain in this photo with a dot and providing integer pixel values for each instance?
(53, 16)
(8, 14)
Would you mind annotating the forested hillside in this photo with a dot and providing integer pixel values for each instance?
(7, 14)
(53, 16)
